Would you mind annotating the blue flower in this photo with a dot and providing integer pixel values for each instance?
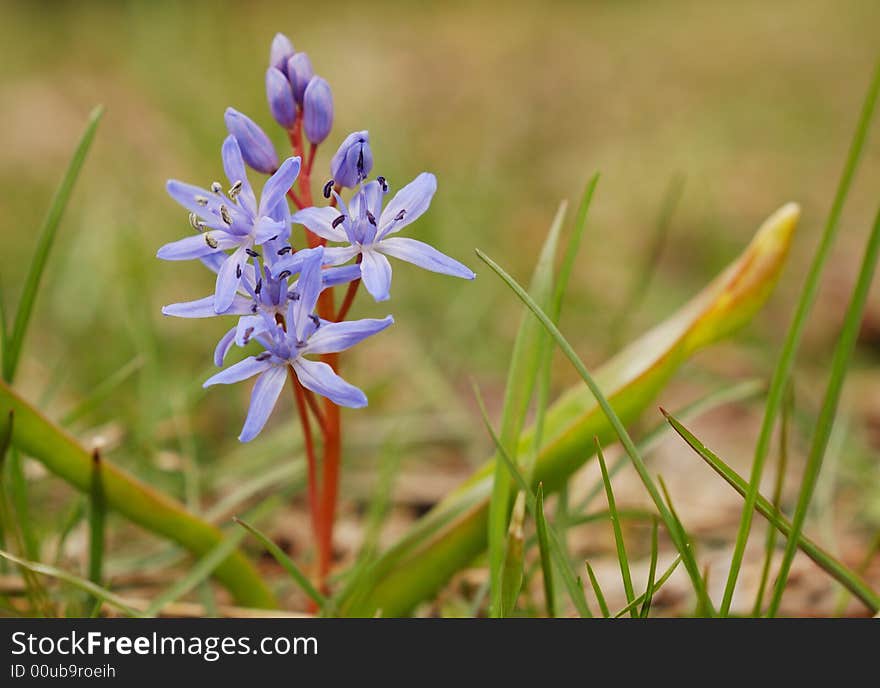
(367, 230)
(280, 52)
(256, 148)
(280, 97)
(353, 161)
(233, 220)
(317, 110)
(286, 341)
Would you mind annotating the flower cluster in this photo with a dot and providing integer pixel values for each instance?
(271, 284)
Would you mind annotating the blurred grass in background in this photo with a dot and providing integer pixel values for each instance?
(512, 105)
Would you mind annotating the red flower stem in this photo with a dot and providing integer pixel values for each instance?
(350, 293)
(316, 410)
(299, 396)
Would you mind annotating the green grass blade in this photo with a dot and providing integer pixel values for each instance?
(95, 591)
(574, 244)
(522, 374)
(652, 571)
(846, 343)
(622, 559)
(572, 582)
(659, 584)
(792, 341)
(613, 419)
(843, 575)
(544, 550)
(36, 436)
(770, 541)
(44, 245)
(205, 566)
(97, 520)
(597, 591)
(288, 565)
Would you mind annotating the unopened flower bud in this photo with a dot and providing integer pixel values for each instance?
(300, 73)
(256, 148)
(317, 110)
(351, 164)
(282, 50)
(280, 97)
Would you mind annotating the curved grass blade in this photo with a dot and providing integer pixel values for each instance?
(613, 419)
(622, 559)
(454, 532)
(521, 376)
(102, 391)
(544, 550)
(288, 565)
(95, 591)
(847, 578)
(659, 584)
(38, 437)
(597, 591)
(45, 240)
(846, 343)
(784, 365)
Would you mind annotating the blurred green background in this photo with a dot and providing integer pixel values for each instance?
(513, 106)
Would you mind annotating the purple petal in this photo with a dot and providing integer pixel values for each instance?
(317, 110)
(320, 222)
(278, 185)
(408, 204)
(337, 255)
(228, 279)
(293, 262)
(333, 337)
(196, 246)
(320, 378)
(300, 73)
(353, 160)
(333, 277)
(267, 229)
(256, 148)
(263, 398)
(223, 347)
(376, 274)
(204, 308)
(280, 97)
(308, 287)
(281, 51)
(427, 257)
(242, 370)
(209, 208)
(233, 165)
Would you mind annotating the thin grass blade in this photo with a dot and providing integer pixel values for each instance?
(652, 571)
(785, 363)
(659, 584)
(544, 551)
(597, 591)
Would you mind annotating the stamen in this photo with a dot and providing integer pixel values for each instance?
(400, 215)
(338, 221)
(293, 295)
(371, 218)
(254, 308)
(263, 356)
(195, 222)
(201, 200)
(259, 286)
(284, 274)
(252, 253)
(383, 184)
(328, 188)
(216, 187)
(285, 249)
(238, 271)
(224, 215)
(247, 334)
(235, 189)
(360, 163)
(315, 319)
(211, 241)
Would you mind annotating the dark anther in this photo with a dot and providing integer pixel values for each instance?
(328, 187)
(211, 241)
(272, 238)
(399, 216)
(382, 183)
(238, 271)
(293, 295)
(282, 251)
(263, 356)
(315, 319)
(254, 308)
(259, 286)
(360, 163)
(247, 334)
(216, 187)
(338, 221)
(284, 274)
(371, 218)
(252, 253)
